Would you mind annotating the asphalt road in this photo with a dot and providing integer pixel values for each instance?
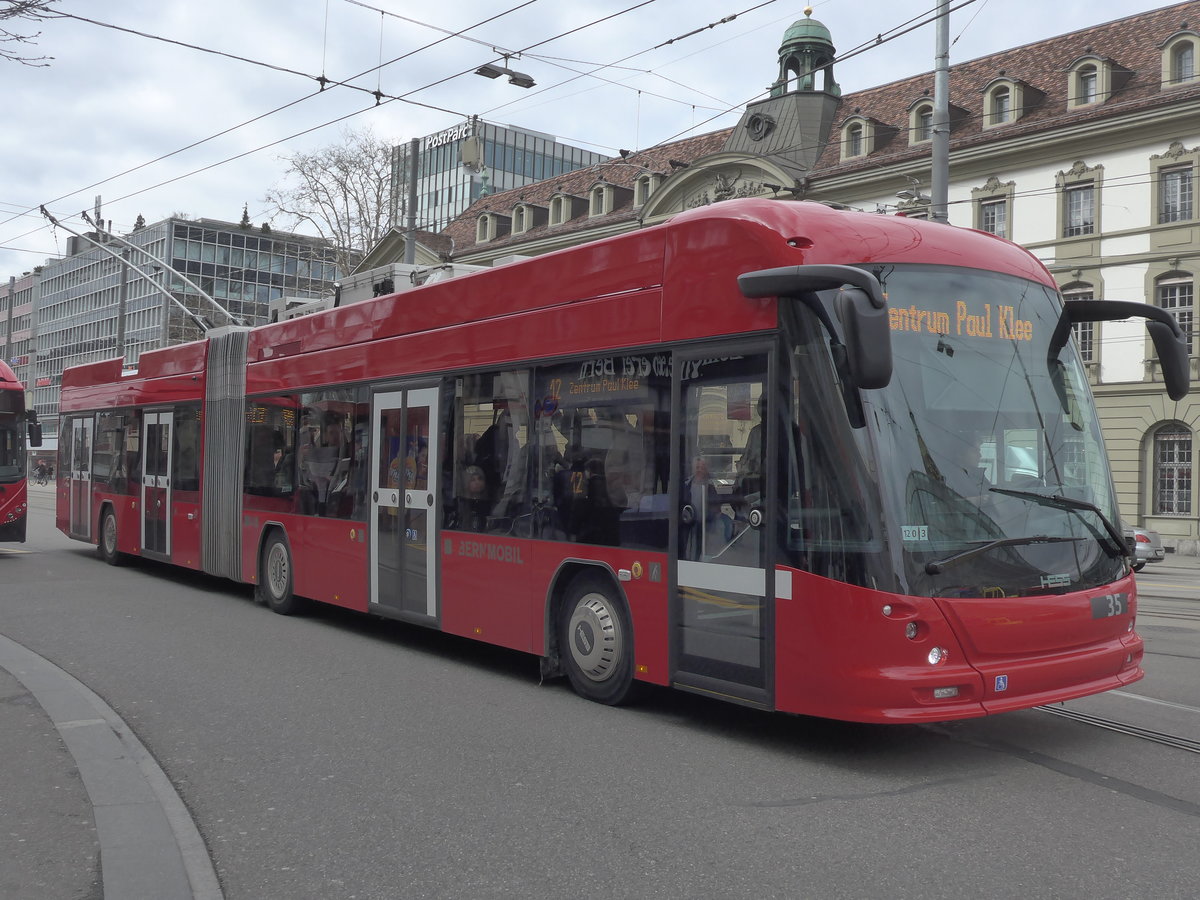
(337, 756)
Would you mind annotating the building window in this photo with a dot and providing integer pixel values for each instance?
(483, 230)
(1175, 294)
(518, 220)
(1000, 105)
(641, 190)
(1175, 194)
(1172, 471)
(558, 210)
(1085, 332)
(993, 217)
(1087, 86)
(921, 124)
(597, 206)
(1183, 63)
(1079, 210)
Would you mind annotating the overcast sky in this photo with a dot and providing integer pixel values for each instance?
(113, 102)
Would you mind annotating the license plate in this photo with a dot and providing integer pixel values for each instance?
(1108, 605)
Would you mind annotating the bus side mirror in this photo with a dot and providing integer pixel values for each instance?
(35, 434)
(868, 338)
(1170, 343)
(859, 303)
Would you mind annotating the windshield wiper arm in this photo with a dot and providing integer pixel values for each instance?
(937, 566)
(1062, 501)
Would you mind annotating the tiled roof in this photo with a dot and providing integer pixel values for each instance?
(621, 172)
(1133, 44)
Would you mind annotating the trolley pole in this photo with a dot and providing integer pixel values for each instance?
(940, 176)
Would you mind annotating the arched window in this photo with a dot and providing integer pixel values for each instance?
(923, 124)
(1172, 448)
(1001, 106)
(1183, 63)
(854, 140)
(1087, 85)
(1179, 59)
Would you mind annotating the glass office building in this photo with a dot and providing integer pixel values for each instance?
(458, 165)
(243, 269)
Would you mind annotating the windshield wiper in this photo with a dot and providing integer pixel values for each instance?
(937, 566)
(1061, 501)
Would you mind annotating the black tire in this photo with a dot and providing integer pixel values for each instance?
(596, 641)
(106, 544)
(275, 578)
(1137, 567)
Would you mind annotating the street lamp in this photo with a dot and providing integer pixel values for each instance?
(520, 79)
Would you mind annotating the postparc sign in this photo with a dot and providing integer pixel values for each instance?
(450, 134)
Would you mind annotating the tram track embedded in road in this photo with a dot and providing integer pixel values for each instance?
(1158, 737)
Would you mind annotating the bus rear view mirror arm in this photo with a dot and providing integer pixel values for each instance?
(1170, 343)
(859, 304)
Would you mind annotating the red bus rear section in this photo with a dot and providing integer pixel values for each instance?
(764, 452)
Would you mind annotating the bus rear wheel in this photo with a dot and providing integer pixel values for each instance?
(596, 641)
(107, 545)
(275, 578)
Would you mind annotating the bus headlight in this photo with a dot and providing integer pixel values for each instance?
(937, 656)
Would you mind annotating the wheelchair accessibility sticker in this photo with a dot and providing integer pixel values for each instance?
(1001, 683)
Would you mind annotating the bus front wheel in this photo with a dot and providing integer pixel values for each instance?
(596, 641)
(107, 545)
(275, 577)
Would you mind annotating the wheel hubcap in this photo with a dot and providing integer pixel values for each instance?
(110, 535)
(595, 638)
(277, 571)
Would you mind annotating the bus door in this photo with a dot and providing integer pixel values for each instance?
(404, 491)
(722, 612)
(156, 482)
(79, 476)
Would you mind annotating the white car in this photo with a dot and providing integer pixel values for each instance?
(1146, 545)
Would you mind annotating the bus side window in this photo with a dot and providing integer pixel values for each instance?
(491, 437)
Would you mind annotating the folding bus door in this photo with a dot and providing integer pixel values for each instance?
(404, 491)
(79, 476)
(156, 482)
(722, 612)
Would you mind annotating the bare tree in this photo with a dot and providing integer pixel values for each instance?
(341, 191)
(35, 11)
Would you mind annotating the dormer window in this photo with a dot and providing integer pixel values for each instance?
(598, 201)
(1093, 79)
(558, 207)
(1006, 100)
(490, 226)
(1179, 59)
(852, 145)
(519, 220)
(920, 123)
(644, 187)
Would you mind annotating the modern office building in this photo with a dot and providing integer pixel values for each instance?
(78, 300)
(458, 165)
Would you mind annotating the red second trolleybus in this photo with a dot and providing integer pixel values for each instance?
(796, 457)
(16, 422)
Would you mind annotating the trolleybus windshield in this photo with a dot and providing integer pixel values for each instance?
(985, 423)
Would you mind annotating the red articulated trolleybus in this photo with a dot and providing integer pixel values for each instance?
(810, 460)
(16, 422)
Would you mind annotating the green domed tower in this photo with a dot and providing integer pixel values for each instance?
(796, 119)
(806, 58)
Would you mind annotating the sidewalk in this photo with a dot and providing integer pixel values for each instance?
(87, 813)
